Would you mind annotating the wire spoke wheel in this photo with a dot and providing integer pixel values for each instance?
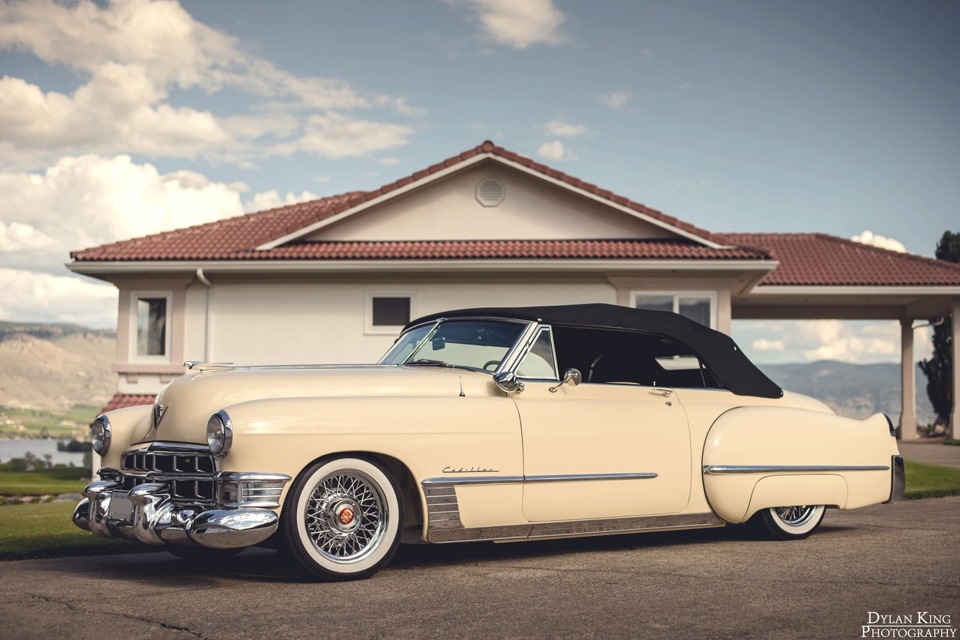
(790, 523)
(343, 518)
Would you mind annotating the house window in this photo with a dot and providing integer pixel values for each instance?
(151, 318)
(699, 306)
(388, 313)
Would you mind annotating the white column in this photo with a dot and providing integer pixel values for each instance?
(908, 393)
(954, 429)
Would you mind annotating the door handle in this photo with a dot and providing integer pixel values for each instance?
(657, 391)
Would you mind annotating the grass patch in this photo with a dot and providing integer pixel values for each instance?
(930, 481)
(74, 421)
(955, 442)
(47, 531)
(44, 481)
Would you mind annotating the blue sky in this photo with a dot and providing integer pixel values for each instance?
(733, 115)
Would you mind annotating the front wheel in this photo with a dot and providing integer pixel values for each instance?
(343, 518)
(790, 523)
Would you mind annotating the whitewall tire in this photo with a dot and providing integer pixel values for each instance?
(343, 518)
(791, 523)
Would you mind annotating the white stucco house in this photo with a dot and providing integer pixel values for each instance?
(333, 280)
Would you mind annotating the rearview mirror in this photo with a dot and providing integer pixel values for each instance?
(571, 377)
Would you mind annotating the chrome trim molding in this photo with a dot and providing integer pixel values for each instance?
(898, 480)
(444, 523)
(580, 477)
(717, 469)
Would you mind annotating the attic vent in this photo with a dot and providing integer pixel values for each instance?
(490, 192)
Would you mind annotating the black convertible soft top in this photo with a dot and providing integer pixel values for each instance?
(716, 350)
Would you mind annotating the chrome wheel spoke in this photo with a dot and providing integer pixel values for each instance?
(346, 517)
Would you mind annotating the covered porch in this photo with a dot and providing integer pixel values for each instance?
(824, 278)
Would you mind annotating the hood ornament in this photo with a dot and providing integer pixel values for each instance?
(158, 412)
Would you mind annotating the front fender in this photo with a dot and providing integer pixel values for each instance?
(760, 457)
(427, 434)
(127, 426)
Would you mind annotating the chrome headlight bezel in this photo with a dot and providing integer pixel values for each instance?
(101, 433)
(219, 433)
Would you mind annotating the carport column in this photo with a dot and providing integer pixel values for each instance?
(908, 393)
(954, 430)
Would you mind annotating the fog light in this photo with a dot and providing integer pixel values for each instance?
(100, 434)
(219, 433)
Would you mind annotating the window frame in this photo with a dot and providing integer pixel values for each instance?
(544, 328)
(371, 329)
(135, 298)
(676, 294)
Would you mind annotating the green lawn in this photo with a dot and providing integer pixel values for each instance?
(44, 482)
(929, 481)
(47, 531)
(68, 422)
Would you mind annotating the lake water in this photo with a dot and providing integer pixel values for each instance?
(10, 449)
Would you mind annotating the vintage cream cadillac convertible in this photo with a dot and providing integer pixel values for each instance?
(482, 424)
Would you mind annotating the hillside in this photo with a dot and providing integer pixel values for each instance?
(854, 390)
(55, 366)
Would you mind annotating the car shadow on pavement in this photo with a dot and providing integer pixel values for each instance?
(269, 566)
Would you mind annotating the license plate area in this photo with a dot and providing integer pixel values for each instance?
(120, 509)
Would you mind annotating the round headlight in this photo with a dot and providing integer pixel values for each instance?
(219, 433)
(100, 434)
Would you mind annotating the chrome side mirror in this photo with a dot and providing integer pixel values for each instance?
(571, 377)
(507, 381)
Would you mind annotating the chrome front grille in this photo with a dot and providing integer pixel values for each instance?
(189, 471)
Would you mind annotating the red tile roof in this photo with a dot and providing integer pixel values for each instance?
(818, 259)
(124, 400)
(500, 249)
(228, 239)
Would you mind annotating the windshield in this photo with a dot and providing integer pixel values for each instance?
(473, 344)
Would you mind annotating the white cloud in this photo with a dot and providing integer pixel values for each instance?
(272, 200)
(768, 345)
(555, 151)
(42, 297)
(338, 136)
(89, 200)
(870, 238)
(858, 341)
(129, 55)
(517, 24)
(561, 129)
(615, 99)
(388, 162)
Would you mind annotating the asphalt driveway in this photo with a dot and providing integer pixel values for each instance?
(890, 559)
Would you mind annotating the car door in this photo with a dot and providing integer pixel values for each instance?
(601, 450)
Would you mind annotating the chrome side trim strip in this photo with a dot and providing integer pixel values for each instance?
(444, 523)
(473, 480)
(577, 477)
(721, 468)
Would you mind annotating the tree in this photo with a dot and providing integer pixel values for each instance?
(939, 368)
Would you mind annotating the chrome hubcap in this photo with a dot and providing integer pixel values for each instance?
(346, 516)
(795, 516)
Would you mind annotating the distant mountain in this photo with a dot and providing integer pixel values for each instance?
(854, 390)
(55, 366)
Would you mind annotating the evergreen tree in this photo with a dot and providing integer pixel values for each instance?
(939, 368)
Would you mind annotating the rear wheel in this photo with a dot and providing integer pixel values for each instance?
(343, 518)
(790, 523)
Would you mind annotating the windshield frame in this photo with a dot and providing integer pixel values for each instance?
(509, 358)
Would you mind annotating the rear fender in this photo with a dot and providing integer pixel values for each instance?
(760, 457)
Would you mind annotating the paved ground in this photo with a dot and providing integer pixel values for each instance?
(894, 559)
(931, 453)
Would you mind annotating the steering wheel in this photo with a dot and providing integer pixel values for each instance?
(493, 363)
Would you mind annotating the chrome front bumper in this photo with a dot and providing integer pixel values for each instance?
(148, 514)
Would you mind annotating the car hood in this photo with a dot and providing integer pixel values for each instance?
(187, 403)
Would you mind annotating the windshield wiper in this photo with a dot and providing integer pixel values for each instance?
(430, 363)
